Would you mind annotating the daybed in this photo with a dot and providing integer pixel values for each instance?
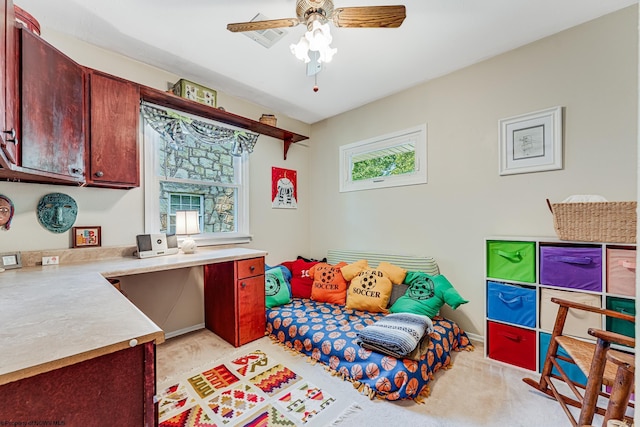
(328, 333)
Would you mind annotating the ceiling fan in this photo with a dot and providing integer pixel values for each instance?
(316, 14)
(309, 11)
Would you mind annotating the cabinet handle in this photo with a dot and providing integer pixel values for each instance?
(631, 265)
(76, 171)
(511, 256)
(12, 135)
(243, 285)
(502, 298)
(571, 259)
(513, 337)
(99, 174)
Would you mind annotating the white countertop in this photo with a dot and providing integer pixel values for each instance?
(55, 316)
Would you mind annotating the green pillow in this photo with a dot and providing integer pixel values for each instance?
(426, 295)
(276, 288)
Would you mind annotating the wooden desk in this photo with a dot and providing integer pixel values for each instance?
(75, 350)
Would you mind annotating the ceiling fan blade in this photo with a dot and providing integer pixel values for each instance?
(262, 25)
(369, 16)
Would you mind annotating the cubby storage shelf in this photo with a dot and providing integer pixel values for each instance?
(522, 274)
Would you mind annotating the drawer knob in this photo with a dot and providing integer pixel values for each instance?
(243, 285)
(253, 267)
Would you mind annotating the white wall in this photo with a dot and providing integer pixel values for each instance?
(591, 70)
(172, 299)
(109, 208)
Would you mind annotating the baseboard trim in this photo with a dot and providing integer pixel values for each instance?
(183, 331)
(476, 338)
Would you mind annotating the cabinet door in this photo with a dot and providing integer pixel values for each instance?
(52, 110)
(114, 112)
(8, 87)
(251, 309)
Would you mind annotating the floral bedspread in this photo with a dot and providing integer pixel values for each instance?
(327, 333)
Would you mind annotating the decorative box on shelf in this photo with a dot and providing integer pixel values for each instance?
(195, 92)
(268, 119)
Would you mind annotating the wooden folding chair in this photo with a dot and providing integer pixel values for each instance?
(601, 365)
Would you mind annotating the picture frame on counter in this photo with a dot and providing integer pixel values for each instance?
(10, 260)
(88, 236)
(531, 142)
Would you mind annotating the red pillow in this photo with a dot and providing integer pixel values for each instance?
(301, 280)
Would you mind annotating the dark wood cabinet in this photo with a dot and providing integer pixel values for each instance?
(52, 110)
(114, 116)
(115, 389)
(8, 88)
(234, 300)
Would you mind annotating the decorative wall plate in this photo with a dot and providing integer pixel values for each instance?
(57, 212)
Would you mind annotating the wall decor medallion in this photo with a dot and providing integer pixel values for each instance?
(57, 212)
(6, 212)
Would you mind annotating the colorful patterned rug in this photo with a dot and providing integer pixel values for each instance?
(250, 390)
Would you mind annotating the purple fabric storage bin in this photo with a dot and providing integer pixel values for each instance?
(571, 267)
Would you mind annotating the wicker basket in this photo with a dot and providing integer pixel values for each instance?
(607, 222)
(268, 119)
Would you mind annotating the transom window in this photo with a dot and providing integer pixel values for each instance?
(386, 161)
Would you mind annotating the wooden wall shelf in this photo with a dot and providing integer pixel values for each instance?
(170, 100)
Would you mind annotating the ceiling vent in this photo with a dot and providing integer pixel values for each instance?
(266, 38)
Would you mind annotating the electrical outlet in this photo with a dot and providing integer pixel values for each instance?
(50, 260)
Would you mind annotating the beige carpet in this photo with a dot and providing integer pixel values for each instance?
(475, 392)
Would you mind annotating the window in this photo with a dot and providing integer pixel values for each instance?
(186, 170)
(385, 161)
(184, 202)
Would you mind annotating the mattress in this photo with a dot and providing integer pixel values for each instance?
(327, 333)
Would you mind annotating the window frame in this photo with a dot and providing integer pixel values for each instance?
(151, 185)
(349, 151)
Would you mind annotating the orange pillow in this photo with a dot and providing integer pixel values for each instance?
(328, 283)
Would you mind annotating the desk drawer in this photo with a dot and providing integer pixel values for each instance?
(250, 267)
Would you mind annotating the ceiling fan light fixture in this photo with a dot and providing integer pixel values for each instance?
(301, 50)
(318, 39)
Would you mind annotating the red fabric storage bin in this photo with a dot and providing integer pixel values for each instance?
(513, 345)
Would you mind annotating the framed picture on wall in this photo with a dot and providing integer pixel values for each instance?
(87, 236)
(284, 188)
(531, 142)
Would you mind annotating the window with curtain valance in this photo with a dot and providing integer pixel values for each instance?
(193, 163)
(178, 129)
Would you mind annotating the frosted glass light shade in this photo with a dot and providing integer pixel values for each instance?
(187, 223)
(317, 39)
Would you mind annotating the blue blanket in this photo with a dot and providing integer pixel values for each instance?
(397, 334)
